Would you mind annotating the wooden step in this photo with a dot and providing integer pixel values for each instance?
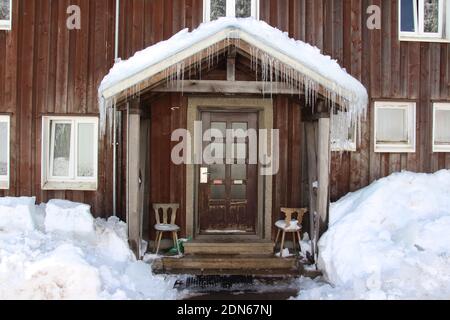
(230, 248)
(227, 265)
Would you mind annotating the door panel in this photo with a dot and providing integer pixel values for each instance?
(228, 197)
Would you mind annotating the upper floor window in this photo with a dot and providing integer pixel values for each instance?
(424, 20)
(4, 151)
(69, 153)
(5, 14)
(214, 9)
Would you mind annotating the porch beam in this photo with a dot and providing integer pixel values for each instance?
(133, 177)
(227, 87)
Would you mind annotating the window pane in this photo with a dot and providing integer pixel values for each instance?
(86, 157)
(61, 149)
(442, 134)
(238, 192)
(431, 10)
(407, 16)
(3, 148)
(392, 125)
(243, 8)
(218, 9)
(5, 12)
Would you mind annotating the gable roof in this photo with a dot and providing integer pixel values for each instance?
(315, 69)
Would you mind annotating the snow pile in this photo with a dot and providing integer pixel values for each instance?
(38, 264)
(17, 213)
(69, 218)
(390, 240)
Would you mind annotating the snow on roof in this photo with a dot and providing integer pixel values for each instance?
(302, 57)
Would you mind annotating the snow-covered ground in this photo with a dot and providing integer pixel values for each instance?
(390, 240)
(58, 251)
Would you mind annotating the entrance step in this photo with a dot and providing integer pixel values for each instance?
(229, 248)
(228, 265)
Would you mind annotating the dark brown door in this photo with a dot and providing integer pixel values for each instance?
(228, 186)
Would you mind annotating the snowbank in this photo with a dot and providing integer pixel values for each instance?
(390, 240)
(17, 213)
(37, 264)
(69, 218)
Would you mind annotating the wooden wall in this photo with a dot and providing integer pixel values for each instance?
(44, 68)
(47, 69)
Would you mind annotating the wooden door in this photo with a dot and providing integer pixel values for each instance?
(228, 188)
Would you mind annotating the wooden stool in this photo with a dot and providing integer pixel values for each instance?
(165, 225)
(288, 225)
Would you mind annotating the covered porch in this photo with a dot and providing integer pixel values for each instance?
(226, 74)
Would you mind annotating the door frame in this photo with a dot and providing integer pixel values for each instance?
(264, 107)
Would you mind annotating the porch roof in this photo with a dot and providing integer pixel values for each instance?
(274, 49)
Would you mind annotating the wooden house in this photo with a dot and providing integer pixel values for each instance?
(73, 127)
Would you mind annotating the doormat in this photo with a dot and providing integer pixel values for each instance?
(224, 283)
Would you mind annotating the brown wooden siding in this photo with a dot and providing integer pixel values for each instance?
(44, 68)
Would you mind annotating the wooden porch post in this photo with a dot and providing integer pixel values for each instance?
(311, 149)
(133, 177)
(323, 163)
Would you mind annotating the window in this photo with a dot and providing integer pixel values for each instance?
(214, 9)
(5, 14)
(424, 20)
(4, 151)
(69, 153)
(395, 127)
(441, 127)
(343, 133)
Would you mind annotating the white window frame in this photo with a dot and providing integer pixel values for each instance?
(443, 35)
(410, 145)
(71, 182)
(349, 145)
(5, 180)
(7, 24)
(230, 9)
(438, 147)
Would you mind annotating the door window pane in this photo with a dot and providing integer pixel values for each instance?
(217, 172)
(240, 151)
(218, 192)
(431, 16)
(85, 150)
(4, 148)
(407, 16)
(218, 151)
(239, 172)
(218, 9)
(243, 8)
(238, 192)
(61, 149)
(220, 127)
